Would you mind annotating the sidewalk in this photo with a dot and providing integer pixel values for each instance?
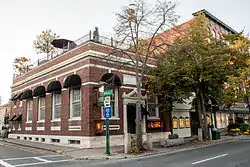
(117, 152)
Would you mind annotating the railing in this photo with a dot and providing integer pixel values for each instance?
(88, 37)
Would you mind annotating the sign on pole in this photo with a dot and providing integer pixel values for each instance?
(107, 112)
(107, 92)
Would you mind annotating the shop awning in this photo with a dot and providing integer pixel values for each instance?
(18, 118)
(11, 118)
(72, 81)
(111, 79)
(13, 97)
(18, 97)
(39, 91)
(54, 86)
(27, 95)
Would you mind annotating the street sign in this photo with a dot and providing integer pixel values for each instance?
(107, 101)
(107, 112)
(107, 92)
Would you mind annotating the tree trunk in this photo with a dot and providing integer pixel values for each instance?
(138, 108)
(200, 111)
(205, 115)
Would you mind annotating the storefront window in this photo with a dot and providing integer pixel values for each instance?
(175, 123)
(187, 122)
(181, 122)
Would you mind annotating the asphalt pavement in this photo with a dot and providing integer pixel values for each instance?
(233, 154)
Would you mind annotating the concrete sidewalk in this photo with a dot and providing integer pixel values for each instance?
(118, 152)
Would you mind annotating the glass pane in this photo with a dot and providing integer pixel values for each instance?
(152, 111)
(57, 99)
(57, 110)
(76, 109)
(42, 113)
(76, 95)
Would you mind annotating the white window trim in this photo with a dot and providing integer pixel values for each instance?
(53, 108)
(39, 109)
(157, 115)
(71, 118)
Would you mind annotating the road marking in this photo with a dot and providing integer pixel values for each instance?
(41, 159)
(5, 164)
(209, 159)
(39, 163)
(44, 156)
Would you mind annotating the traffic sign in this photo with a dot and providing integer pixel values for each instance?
(107, 101)
(107, 112)
(107, 92)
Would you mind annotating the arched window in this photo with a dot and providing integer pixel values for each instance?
(214, 33)
(187, 122)
(175, 123)
(181, 122)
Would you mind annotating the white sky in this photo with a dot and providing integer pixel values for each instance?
(22, 20)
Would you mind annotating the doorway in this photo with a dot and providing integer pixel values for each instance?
(131, 116)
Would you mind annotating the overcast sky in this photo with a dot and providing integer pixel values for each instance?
(22, 20)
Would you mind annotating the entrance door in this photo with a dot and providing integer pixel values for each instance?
(194, 123)
(131, 116)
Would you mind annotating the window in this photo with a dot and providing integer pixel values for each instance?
(175, 123)
(75, 105)
(214, 33)
(29, 110)
(41, 109)
(114, 103)
(56, 110)
(19, 124)
(187, 122)
(181, 122)
(152, 107)
(20, 103)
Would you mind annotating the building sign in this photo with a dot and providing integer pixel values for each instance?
(129, 79)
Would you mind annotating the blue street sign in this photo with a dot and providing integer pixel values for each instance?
(107, 112)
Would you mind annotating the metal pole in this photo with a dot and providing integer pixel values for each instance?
(107, 137)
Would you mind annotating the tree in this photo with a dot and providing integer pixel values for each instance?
(138, 24)
(201, 63)
(42, 44)
(21, 65)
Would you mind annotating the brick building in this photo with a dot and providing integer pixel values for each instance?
(57, 101)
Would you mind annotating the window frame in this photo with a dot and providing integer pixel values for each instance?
(40, 108)
(54, 94)
(156, 110)
(71, 103)
(29, 109)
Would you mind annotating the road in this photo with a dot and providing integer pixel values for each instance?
(234, 154)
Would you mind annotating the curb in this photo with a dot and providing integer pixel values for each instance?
(30, 146)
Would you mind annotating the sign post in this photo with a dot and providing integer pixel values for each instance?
(107, 114)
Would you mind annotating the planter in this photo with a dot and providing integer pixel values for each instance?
(174, 142)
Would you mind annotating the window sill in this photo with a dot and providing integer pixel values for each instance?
(56, 120)
(111, 118)
(41, 121)
(28, 122)
(75, 119)
(19, 129)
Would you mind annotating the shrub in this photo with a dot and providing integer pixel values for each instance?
(246, 133)
(244, 127)
(235, 130)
